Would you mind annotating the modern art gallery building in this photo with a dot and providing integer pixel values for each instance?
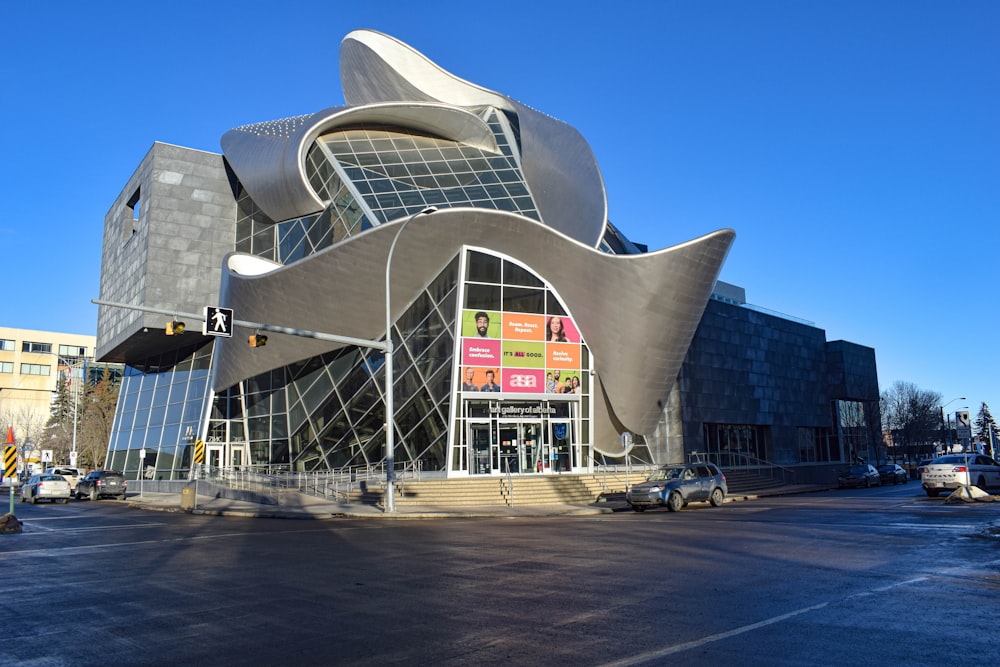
(477, 228)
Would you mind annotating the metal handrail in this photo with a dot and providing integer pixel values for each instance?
(510, 481)
(745, 461)
(274, 480)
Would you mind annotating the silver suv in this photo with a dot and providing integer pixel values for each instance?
(676, 486)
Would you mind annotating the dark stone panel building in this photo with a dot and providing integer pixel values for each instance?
(760, 387)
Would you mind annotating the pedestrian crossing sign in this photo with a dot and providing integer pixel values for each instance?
(217, 322)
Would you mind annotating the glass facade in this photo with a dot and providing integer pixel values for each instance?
(518, 345)
(397, 172)
(161, 406)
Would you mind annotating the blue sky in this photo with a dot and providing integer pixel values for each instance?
(853, 146)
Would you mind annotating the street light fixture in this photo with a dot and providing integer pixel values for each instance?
(948, 424)
(390, 407)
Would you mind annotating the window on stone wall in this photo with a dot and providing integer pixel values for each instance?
(131, 221)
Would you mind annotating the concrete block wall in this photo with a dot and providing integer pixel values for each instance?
(168, 253)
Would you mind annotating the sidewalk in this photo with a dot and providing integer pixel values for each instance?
(301, 506)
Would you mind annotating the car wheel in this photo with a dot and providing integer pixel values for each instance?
(717, 497)
(933, 493)
(638, 508)
(675, 502)
(93, 494)
(981, 483)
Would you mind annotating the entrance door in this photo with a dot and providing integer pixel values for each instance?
(228, 455)
(215, 456)
(239, 456)
(479, 448)
(562, 456)
(531, 446)
(508, 440)
(520, 445)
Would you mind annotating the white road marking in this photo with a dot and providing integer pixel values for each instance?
(677, 648)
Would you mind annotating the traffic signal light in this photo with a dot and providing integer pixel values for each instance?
(257, 340)
(175, 328)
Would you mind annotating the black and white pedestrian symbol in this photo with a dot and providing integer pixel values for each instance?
(217, 322)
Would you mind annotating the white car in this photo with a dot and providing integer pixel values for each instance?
(949, 472)
(45, 487)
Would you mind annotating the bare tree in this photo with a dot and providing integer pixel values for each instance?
(96, 420)
(912, 415)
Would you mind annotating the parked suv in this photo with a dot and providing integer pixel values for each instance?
(676, 486)
(102, 483)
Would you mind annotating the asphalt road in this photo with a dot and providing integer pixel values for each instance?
(879, 576)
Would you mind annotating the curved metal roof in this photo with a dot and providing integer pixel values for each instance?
(638, 313)
(557, 162)
(269, 158)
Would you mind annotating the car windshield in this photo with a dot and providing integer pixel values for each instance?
(859, 470)
(950, 460)
(50, 478)
(665, 473)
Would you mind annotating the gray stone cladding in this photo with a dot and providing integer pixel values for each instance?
(164, 240)
(748, 367)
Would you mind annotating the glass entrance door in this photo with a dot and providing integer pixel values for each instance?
(215, 456)
(531, 447)
(562, 456)
(508, 439)
(520, 447)
(228, 455)
(479, 448)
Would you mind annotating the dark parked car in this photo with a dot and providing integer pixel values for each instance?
(676, 486)
(861, 475)
(102, 483)
(890, 473)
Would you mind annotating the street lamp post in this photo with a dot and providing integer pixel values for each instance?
(390, 407)
(948, 423)
(75, 382)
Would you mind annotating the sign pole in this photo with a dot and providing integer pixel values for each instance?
(10, 464)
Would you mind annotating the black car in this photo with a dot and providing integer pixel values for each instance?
(890, 473)
(101, 484)
(859, 475)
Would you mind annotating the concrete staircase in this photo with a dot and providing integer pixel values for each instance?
(537, 489)
(499, 491)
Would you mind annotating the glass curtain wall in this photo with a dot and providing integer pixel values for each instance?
(160, 407)
(328, 412)
(522, 374)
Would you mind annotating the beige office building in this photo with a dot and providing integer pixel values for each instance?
(32, 363)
